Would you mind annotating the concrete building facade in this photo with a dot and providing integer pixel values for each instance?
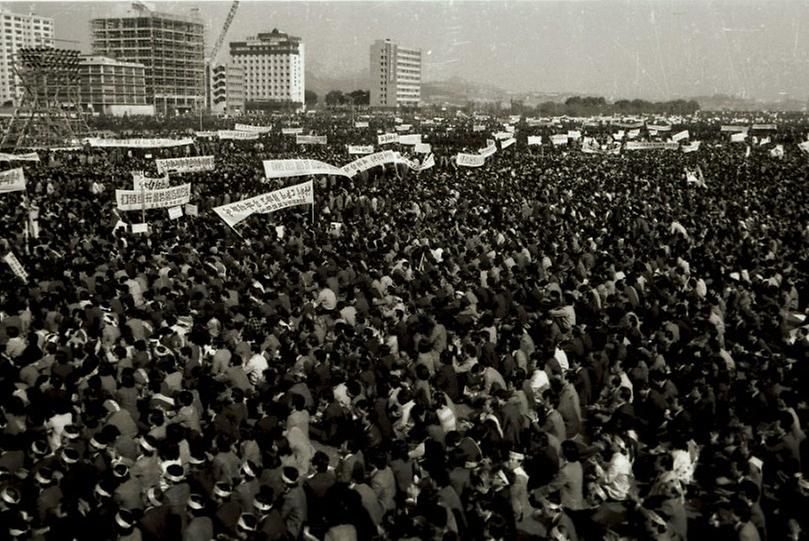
(395, 75)
(18, 31)
(274, 66)
(171, 48)
(113, 87)
(226, 89)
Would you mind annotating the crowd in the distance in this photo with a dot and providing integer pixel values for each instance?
(556, 345)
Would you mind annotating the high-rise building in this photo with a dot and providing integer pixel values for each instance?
(17, 31)
(226, 92)
(113, 87)
(170, 46)
(273, 64)
(395, 75)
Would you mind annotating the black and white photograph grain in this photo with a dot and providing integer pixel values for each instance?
(404, 270)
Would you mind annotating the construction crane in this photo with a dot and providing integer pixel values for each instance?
(218, 45)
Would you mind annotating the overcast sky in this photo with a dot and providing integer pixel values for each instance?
(650, 49)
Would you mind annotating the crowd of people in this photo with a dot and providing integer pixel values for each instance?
(556, 345)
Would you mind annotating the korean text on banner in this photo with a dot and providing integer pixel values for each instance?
(559, 139)
(16, 266)
(491, 148)
(191, 164)
(367, 162)
(12, 180)
(298, 168)
(658, 127)
(413, 139)
(404, 127)
(423, 148)
(428, 163)
(237, 135)
(299, 194)
(507, 143)
(679, 136)
(153, 199)
(646, 145)
(142, 182)
(386, 138)
(361, 124)
(139, 143)
(252, 129)
(310, 139)
(175, 212)
(534, 140)
(733, 129)
(502, 135)
(738, 137)
(291, 131)
(470, 160)
(360, 149)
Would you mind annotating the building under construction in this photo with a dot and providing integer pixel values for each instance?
(170, 46)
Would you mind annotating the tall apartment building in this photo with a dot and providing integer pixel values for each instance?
(113, 87)
(395, 75)
(226, 89)
(169, 46)
(18, 31)
(273, 65)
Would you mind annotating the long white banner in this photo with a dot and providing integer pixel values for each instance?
(423, 148)
(16, 266)
(252, 129)
(191, 164)
(414, 139)
(470, 160)
(141, 182)
(205, 134)
(559, 139)
(733, 129)
(153, 199)
(489, 150)
(12, 180)
(658, 127)
(360, 124)
(360, 149)
(299, 194)
(507, 143)
(534, 140)
(650, 145)
(310, 139)
(386, 138)
(30, 157)
(367, 162)
(291, 131)
(693, 147)
(139, 143)
(298, 168)
(237, 135)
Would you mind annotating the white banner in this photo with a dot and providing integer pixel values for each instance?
(16, 266)
(252, 129)
(767, 127)
(361, 150)
(559, 139)
(428, 163)
(139, 143)
(679, 136)
(298, 168)
(360, 124)
(423, 148)
(733, 129)
(502, 135)
(367, 162)
(777, 151)
(192, 164)
(763, 141)
(693, 147)
(574, 134)
(386, 138)
(489, 150)
(237, 135)
(509, 128)
(804, 146)
(648, 145)
(478, 127)
(534, 140)
(414, 139)
(205, 134)
(310, 139)
(153, 199)
(141, 182)
(140, 228)
(470, 160)
(404, 127)
(291, 131)
(738, 137)
(175, 212)
(658, 127)
(632, 134)
(30, 157)
(12, 180)
(507, 143)
(299, 194)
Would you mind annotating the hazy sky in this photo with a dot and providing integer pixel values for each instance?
(640, 48)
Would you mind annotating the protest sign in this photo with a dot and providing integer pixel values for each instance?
(12, 180)
(192, 164)
(140, 228)
(29, 157)
(237, 135)
(693, 147)
(404, 127)
(414, 139)
(534, 140)
(175, 212)
(138, 143)
(367, 162)
(310, 139)
(298, 168)
(478, 127)
(299, 194)
(386, 138)
(679, 136)
(152, 199)
(357, 149)
(428, 163)
(574, 134)
(559, 139)
(651, 145)
(470, 160)
(423, 148)
(507, 143)
(733, 129)
(291, 131)
(16, 266)
(141, 182)
(191, 210)
(360, 124)
(738, 137)
(252, 129)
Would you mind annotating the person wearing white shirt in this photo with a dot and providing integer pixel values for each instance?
(256, 366)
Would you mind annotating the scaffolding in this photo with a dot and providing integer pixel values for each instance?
(49, 113)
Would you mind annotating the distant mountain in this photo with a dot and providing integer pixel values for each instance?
(458, 91)
(322, 85)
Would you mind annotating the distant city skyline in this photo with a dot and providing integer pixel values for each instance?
(650, 49)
